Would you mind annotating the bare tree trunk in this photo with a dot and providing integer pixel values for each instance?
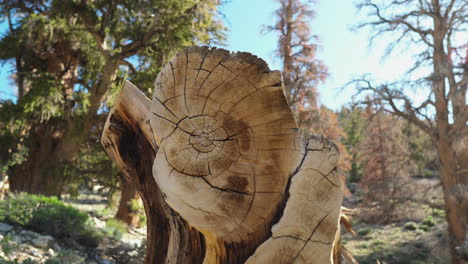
(286, 44)
(125, 211)
(256, 192)
(56, 146)
(455, 197)
(453, 184)
(38, 174)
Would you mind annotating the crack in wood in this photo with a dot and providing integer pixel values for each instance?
(308, 239)
(224, 189)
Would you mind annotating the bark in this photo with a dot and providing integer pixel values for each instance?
(448, 82)
(39, 173)
(234, 180)
(50, 149)
(128, 141)
(287, 42)
(125, 211)
(54, 146)
(453, 183)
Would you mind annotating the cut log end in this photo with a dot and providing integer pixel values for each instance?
(227, 137)
(228, 158)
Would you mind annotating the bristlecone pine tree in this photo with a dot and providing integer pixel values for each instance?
(435, 33)
(385, 172)
(223, 171)
(303, 71)
(68, 57)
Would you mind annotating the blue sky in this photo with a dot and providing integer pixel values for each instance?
(346, 53)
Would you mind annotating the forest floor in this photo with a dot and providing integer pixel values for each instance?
(121, 245)
(98, 208)
(128, 246)
(416, 236)
(402, 243)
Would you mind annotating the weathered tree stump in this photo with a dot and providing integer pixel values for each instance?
(234, 180)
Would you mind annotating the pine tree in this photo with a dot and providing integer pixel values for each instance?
(302, 72)
(354, 126)
(70, 58)
(434, 32)
(386, 162)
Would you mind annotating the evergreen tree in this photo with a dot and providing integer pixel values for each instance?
(353, 122)
(70, 58)
(422, 156)
(435, 33)
(302, 72)
(385, 158)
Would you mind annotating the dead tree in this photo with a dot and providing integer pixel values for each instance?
(224, 174)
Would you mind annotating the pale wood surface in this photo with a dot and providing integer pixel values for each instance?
(306, 231)
(128, 140)
(227, 141)
(229, 145)
(229, 159)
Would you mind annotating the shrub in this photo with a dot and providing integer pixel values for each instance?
(410, 226)
(439, 213)
(66, 257)
(428, 221)
(424, 228)
(26, 261)
(117, 224)
(48, 215)
(363, 231)
(115, 228)
(5, 245)
(377, 243)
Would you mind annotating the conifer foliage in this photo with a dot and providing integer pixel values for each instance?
(303, 72)
(69, 59)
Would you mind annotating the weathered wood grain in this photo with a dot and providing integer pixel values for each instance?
(234, 179)
(229, 144)
(128, 140)
(308, 228)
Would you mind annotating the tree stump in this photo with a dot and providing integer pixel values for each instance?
(234, 179)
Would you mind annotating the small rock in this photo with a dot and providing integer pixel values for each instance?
(43, 241)
(51, 252)
(131, 241)
(30, 234)
(99, 223)
(56, 247)
(133, 253)
(462, 251)
(34, 252)
(97, 188)
(105, 261)
(16, 239)
(5, 227)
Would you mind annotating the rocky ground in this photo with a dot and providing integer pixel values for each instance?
(416, 234)
(399, 243)
(419, 238)
(19, 244)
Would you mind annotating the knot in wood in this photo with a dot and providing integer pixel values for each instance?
(202, 141)
(206, 135)
(227, 140)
